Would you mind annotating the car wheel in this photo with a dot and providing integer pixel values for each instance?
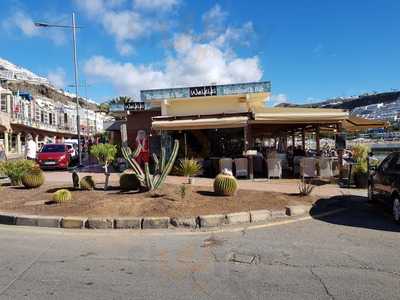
(371, 197)
(396, 209)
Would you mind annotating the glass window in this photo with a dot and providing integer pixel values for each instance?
(53, 148)
(386, 163)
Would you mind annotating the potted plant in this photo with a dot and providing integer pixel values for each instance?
(360, 169)
(105, 154)
(189, 168)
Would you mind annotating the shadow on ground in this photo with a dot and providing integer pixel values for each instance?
(358, 212)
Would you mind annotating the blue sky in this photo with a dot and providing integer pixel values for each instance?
(310, 50)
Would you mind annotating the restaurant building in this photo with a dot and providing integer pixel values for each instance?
(231, 122)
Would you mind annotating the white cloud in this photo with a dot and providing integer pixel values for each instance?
(125, 25)
(57, 78)
(156, 4)
(193, 63)
(192, 60)
(278, 99)
(24, 24)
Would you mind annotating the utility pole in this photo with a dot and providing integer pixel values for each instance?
(78, 123)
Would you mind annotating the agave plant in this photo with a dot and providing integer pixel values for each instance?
(162, 166)
(305, 188)
(189, 168)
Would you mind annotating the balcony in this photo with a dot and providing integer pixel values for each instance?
(42, 126)
(4, 120)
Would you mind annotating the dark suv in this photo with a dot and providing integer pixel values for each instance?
(384, 184)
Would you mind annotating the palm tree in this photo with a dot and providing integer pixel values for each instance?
(104, 107)
(121, 100)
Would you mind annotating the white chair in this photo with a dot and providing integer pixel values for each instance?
(308, 167)
(325, 167)
(225, 163)
(241, 165)
(274, 167)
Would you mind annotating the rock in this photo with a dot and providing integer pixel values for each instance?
(238, 218)
(128, 223)
(261, 215)
(7, 219)
(26, 220)
(155, 222)
(212, 220)
(100, 223)
(278, 213)
(189, 222)
(297, 210)
(73, 222)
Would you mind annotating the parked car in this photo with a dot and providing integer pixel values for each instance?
(384, 184)
(54, 156)
(73, 150)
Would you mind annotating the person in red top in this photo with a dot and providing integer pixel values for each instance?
(142, 143)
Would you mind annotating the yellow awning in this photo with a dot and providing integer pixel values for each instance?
(206, 123)
(296, 115)
(354, 123)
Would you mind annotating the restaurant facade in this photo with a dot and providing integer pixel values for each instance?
(228, 125)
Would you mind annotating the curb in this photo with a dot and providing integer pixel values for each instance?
(139, 223)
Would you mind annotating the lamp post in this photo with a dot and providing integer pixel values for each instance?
(73, 27)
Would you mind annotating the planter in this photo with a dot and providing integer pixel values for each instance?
(361, 180)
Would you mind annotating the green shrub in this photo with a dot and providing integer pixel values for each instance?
(360, 155)
(105, 154)
(225, 184)
(128, 181)
(62, 195)
(33, 178)
(87, 183)
(188, 167)
(16, 169)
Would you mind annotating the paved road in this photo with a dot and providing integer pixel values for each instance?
(351, 255)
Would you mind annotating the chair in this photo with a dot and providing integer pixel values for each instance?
(225, 163)
(325, 167)
(296, 164)
(241, 166)
(308, 167)
(274, 167)
(284, 161)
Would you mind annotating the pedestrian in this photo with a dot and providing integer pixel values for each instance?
(30, 148)
(3, 155)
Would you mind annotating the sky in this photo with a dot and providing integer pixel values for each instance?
(310, 50)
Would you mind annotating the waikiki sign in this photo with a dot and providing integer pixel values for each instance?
(206, 91)
(203, 91)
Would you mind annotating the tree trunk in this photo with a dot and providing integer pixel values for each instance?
(107, 174)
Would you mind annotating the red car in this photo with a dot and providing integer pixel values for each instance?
(54, 156)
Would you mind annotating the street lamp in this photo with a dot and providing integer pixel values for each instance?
(73, 27)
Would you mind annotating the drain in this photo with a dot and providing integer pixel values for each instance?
(243, 258)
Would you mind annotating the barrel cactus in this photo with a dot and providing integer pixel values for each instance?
(62, 196)
(225, 184)
(33, 178)
(87, 183)
(128, 181)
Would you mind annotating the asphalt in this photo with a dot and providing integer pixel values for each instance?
(353, 254)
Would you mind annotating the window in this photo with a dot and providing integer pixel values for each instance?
(50, 118)
(3, 103)
(384, 166)
(53, 148)
(42, 116)
(394, 163)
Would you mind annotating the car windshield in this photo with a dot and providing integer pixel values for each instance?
(53, 148)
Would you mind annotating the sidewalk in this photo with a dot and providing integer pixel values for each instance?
(274, 185)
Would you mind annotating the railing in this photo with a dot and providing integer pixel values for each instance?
(39, 125)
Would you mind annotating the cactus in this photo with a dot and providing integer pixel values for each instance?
(162, 168)
(128, 181)
(87, 183)
(305, 188)
(75, 180)
(33, 178)
(225, 184)
(62, 196)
